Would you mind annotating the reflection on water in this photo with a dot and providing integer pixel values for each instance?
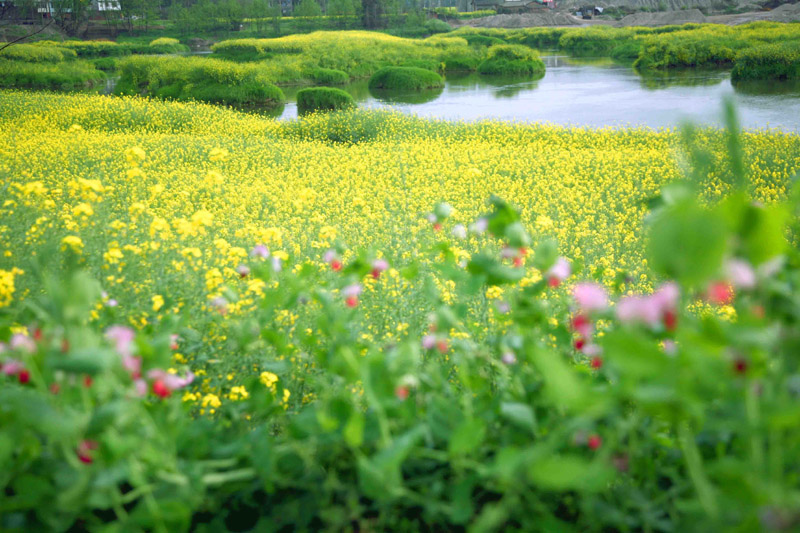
(655, 81)
(407, 97)
(591, 91)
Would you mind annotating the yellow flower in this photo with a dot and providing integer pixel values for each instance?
(7, 285)
(72, 242)
(135, 155)
(218, 154)
(268, 379)
(83, 209)
(211, 400)
(158, 302)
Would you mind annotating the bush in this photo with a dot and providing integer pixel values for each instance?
(461, 62)
(65, 75)
(595, 40)
(405, 79)
(329, 76)
(314, 99)
(164, 41)
(627, 51)
(437, 26)
(106, 64)
(512, 60)
(194, 78)
(768, 62)
(37, 54)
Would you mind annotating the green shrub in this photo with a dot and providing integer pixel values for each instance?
(65, 75)
(594, 40)
(768, 62)
(427, 64)
(162, 41)
(462, 62)
(106, 64)
(483, 40)
(314, 99)
(405, 79)
(194, 78)
(37, 54)
(512, 60)
(437, 26)
(329, 76)
(627, 51)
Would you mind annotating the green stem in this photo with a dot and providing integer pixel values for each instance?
(220, 478)
(694, 463)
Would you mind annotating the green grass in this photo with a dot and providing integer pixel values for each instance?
(329, 76)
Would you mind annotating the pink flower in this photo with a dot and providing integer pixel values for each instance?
(590, 297)
(479, 226)
(330, 256)
(378, 266)
(429, 341)
(459, 231)
(661, 306)
(122, 337)
(351, 293)
(133, 365)
(558, 272)
(508, 358)
(740, 273)
(260, 250)
(22, 342)
(243, 270)
(170, 381)
(220, 304)
(12, 367)
(140, 386)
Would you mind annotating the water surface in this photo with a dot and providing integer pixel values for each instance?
(594, 92)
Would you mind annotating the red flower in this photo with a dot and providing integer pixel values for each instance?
(160, 389)
(437, 226)
(597, 362)
(84, 451)
(579, 343)
(87, 381)
(720, 293)
(594, 441)
(442, 346)
(553, 282)
(401, 392)
(24, 376)
(670, 320)
(336, 265)
(740, 365)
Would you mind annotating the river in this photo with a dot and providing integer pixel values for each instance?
(595, 92)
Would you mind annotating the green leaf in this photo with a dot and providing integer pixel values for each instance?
(518, 414)
(687, 242)
(467, 436)
(569, 472)
(83, 361)
(354, 429)
(495, 272)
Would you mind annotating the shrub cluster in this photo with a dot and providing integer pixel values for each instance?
(61, 76)
(312, 99)
(512, 60)
(329, 76)
(405, 79)
(193, 78)
(768, 62)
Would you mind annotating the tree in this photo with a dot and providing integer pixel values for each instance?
(342, 9)
(308, 8)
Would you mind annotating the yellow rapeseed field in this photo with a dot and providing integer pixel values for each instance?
(163, 201)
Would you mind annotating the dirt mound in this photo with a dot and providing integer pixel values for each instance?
(784, 13)
(664, 18)
(525, 20)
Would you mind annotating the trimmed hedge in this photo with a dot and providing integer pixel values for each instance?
(314, 99)
(329, 76)
(405, 78)
(768, 62)
(512, 60)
